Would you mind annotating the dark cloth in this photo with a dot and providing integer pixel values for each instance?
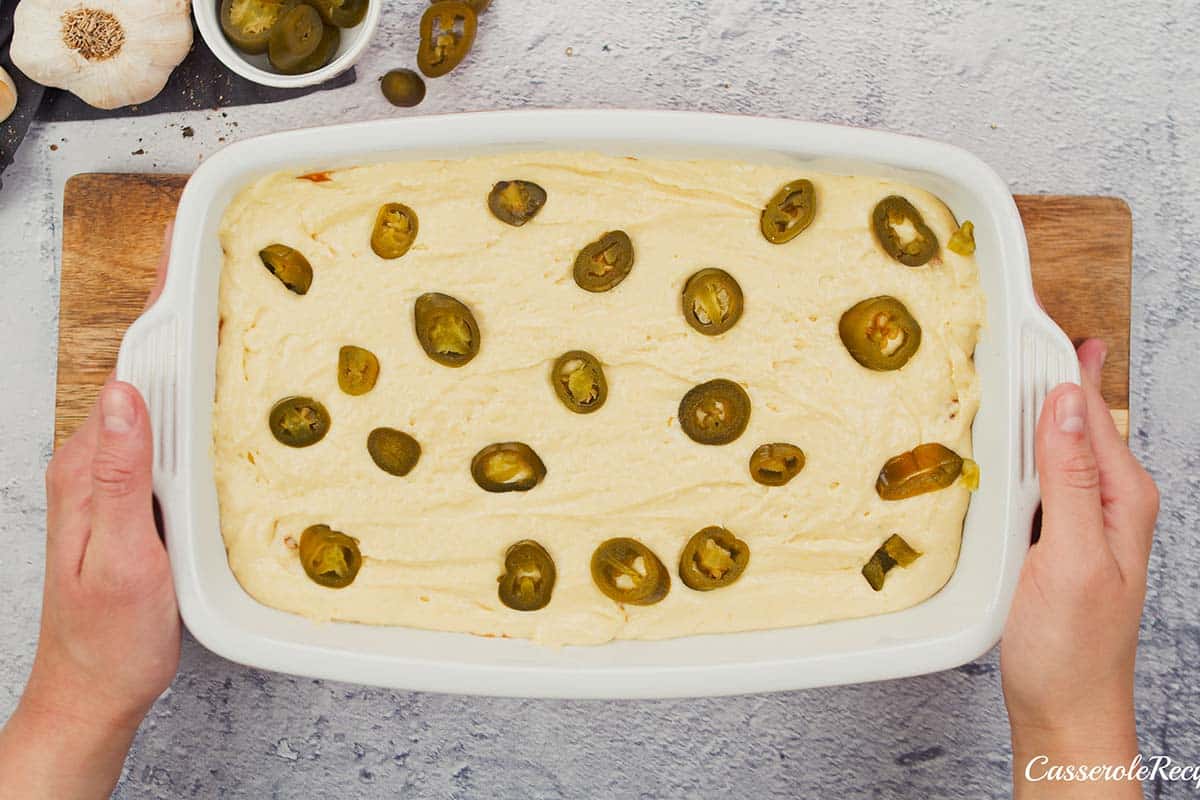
(200, 82)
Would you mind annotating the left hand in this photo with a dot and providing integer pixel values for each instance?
(110, 634)
(109, 643)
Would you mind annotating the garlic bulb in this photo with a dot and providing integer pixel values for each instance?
(110, 53)
(8, 95)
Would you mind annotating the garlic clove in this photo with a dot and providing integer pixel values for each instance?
(110, 53)
(8, 95)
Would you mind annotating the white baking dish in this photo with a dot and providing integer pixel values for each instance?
(170, 353)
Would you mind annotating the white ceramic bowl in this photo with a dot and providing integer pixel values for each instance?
(170, 355)
(256, 68)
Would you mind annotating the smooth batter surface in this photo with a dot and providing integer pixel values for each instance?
(433, 541)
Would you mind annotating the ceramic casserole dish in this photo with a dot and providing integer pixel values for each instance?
(169, 354)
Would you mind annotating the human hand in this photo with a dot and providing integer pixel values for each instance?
(109, 641)
(1067, 655)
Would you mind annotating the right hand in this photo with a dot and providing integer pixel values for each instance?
(1067, 655)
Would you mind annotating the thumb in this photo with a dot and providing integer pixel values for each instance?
(1068, 471)
(122, 485)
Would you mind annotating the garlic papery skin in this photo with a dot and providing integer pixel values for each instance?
(110, 53)
(8, 95)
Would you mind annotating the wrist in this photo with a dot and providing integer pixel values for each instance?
(1112, 741)
(1042, 750)
(69, 721)
(1105, 720)
(48, 752)
(1094, 712)
(84, 708)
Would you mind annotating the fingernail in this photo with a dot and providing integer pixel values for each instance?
(1103, 355)
(1069, 410)
(116, 411)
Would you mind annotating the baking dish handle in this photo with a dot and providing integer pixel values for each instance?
(1047, 359)
(149, 359)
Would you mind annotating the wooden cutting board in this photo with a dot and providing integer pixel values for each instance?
(113, 224)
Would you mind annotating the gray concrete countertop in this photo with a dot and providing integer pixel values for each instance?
(1073, 96)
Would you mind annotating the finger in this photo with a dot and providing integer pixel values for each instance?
(1129, 498)
(160, 271)
(68, 498)
(122, 484)
(1072, 521)
(1111, 452)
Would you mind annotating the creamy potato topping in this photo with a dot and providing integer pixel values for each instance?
(433, 543)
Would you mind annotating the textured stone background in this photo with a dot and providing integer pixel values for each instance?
(1059, 96)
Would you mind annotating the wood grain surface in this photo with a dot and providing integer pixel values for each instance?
(113, 227)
